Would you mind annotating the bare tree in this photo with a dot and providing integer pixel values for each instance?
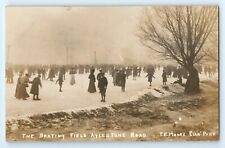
(179, 33)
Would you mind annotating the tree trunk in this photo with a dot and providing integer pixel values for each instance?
(192, 84)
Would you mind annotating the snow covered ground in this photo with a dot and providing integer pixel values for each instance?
(76, 97)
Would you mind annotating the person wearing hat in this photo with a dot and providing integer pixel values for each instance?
(103, 82)
(35, 87)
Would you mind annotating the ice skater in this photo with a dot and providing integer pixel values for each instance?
(60, 80)
(35, 87)
(91, 87)
(150, 76)
(22, 89)
(103, 82)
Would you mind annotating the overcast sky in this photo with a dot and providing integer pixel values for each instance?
(40, 35)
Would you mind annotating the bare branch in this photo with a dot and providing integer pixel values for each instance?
(179, 32)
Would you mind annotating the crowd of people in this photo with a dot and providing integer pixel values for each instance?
(119, 74)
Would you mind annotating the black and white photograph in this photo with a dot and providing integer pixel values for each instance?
(112, 73)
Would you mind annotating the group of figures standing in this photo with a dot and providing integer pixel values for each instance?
(102, 83)
(23, 83)
(119, 74)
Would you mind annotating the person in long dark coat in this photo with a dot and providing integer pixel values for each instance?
(24, 84)
(63, 72)
(164, 77)
(122, 80)
(135, 71)
(103, 82)
(18, 85)
(60, 80)
(118, 82)
(35, 87)
(91, 86)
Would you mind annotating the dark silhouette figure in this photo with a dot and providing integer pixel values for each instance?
(150, 76)
(122, 80)
(22, 89)
(35, 87)
(60, 80)
(18, 86)
(103, 82)
(164, 77)
(91, 87)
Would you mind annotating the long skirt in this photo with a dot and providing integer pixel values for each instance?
(23, 91)
(91, 87)
(17, 93)
(72, 79)
(34, 89)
